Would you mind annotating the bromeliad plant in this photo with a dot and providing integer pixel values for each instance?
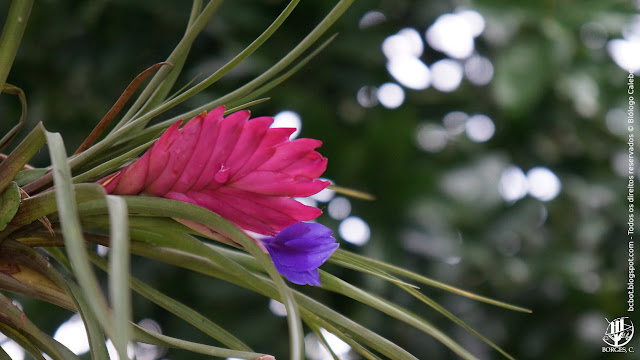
(228, 178)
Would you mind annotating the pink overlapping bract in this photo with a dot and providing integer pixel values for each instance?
(241, 169)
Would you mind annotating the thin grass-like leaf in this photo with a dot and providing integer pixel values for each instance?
(160, 94)
(16, 22)
(308, 306)
(143, 335)
(9, 136)
(14, 317)
(95, 335)
(352, 192)
(35, 207)
(177, 209)
(28, 175)
(335, 284)
(115, 109)
(280, 79)
(425, 299)
(72, 231)
(21, 340)
(107, 167)
(194, 28)
(12, 165)
(312, 320)
(317, 330)
(182, 311)
(231, 64)
(30, 274)
(398, 271)
(285, 62)
(119, 272)
(366, 268)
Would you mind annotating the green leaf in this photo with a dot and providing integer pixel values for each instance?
(182, 311)
(310, 309)
(213, 78)
(16, 22)
(343, 255)
(15, 318)
(26, 272)
(28, 175)
(12, 165)
(180, 51)
(9, 203)
(332, 283)
(150, 337)
(6, 139)
(96, 337)
(72, 232)
(119, 272)
(21, 340)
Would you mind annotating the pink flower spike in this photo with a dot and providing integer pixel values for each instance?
(234, 166)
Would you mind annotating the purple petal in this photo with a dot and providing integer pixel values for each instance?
(298, 251)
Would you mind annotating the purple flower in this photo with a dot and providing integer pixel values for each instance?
(299, 249)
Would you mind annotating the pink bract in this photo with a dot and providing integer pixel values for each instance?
(241, 169)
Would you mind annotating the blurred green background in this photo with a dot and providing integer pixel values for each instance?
(496, 148)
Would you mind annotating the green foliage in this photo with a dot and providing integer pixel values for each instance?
(60, 209)
(437, 214)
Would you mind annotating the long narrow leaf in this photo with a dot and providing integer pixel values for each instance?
(12, 165)
(9, 136)
(11, 315)
(150, 337)
(95, 335)
(349, 257)
(182, 311)
(119, 273)
(307, 305)
(16, 22)
(72, 231)
(21, 340)
(180, 50)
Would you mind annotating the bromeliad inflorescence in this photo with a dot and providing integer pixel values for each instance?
(246, 172)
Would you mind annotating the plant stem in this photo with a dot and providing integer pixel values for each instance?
(12, 35)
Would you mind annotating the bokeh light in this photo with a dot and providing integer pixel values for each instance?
(315, 350)
(474, 19)
(277, 308)
(354, 230)
(431, 137)
(480, 128)
(593, 35)
(452, 35)
(454, 122)
(326, 194)
(367, 96)
(73, 335)
(339, 208)
(543, 184)
(410, 72)
(15, 351)
(479, 70)
(390, 95)
(406, 43)
(626, 51)
(148, 351)
(288, 119)
(447, 75)
(371, 18)
(513, 184)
